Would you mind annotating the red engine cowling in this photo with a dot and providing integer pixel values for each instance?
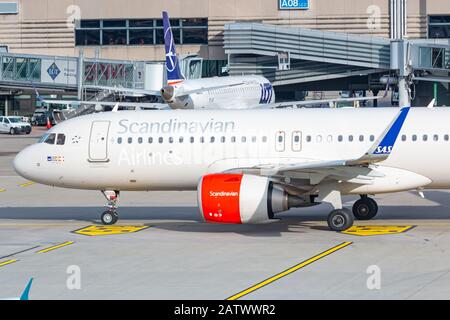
(239, 198)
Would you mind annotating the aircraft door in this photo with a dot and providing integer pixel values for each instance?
(98, 141)
(280, 138)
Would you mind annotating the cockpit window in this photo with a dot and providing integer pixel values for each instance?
(51, 138)
(61, 139)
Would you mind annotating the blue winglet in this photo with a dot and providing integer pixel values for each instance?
(386, 145)
(26, 292)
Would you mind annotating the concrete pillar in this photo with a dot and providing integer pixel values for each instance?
(403, 93)
(375, 102)
(6, 106)
(80, 72)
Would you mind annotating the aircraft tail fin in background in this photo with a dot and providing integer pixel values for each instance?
(174, 74)
(26, 292)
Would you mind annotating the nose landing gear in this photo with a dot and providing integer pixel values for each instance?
(110, 216)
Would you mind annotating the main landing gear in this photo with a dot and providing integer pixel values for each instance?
(365, 208)
(340, 219)
(110, 216)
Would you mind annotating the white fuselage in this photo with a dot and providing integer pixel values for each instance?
(233, 92)
(172, 150)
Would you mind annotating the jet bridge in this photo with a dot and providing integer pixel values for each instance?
(312, 55)
(296, 58)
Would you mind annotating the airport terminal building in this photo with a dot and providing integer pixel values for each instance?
(319, 40)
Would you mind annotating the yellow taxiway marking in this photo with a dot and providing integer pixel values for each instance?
(4, 263)
(2, 190)
(26, 184)
(67, 243)
(376, 230)
(289, 271)
(108, 230)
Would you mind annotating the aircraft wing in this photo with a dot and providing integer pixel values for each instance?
(137, 105)
(297, 104)
(127, 91)
(205, 89)
(357, 170)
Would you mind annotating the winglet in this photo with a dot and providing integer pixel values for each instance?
(174, 74)
(391, 133)
(383, 146)
(26, 292)
(116, 107)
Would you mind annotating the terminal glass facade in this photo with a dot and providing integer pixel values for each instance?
(139, 32)
(439, 26)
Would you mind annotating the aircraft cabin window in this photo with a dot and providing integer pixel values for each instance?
(340, 138)
(425, 137)
(140, 140)
(192, 139)
(372, 138)
(130, 140)
(361, 138)
(350, 138)
(446, 137)
(61, 139)
(296, 139)
(222, 139)
(160, 139)
(435, 137)
(253, 139)
(330, 138)
(319, 138)
(51, 138)
(414, 137)
(212, 139)
(171, 140)
(202, 139)
(233, 139)
(180, 140)
(244, 139)
(264, 139)
(150, 140)
(308, 138)
(119, 140)
(403, 137)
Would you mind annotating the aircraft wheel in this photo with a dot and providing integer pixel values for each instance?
(109, 218)
(365, 209)
(340, 220)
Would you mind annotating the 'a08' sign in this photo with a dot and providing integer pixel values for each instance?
(293, 4)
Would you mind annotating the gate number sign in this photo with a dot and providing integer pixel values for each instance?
(293, 4)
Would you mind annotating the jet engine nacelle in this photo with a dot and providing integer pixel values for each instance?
(240, 198)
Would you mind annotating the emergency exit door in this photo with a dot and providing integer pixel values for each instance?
(98, 141)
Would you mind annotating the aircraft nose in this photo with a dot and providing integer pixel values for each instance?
(167, 93)
(23, 163)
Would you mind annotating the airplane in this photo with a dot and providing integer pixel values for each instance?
(232, 92)
(25, 293)
(248, 165)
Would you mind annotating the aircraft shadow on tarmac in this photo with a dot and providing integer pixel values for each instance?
(188, 218)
